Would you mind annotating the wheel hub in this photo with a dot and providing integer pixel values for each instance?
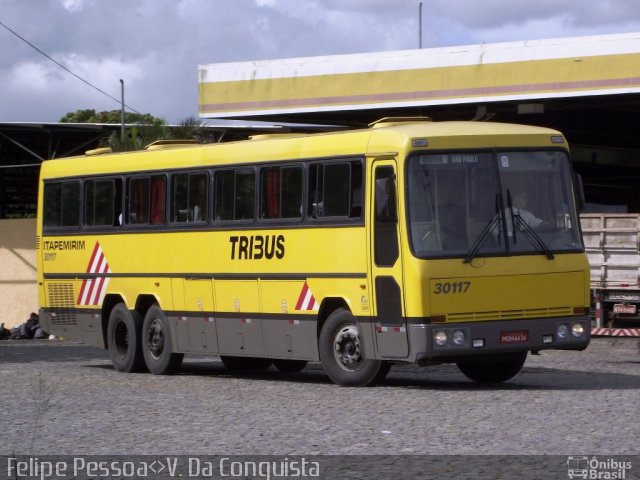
(347, 348)
(156, 338)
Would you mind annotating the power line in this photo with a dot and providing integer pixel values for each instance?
(65, 68)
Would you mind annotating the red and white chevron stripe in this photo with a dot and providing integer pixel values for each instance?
(306, 300)
(93, 289)
(615, 332)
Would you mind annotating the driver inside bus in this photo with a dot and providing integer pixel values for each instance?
(520, 210)
(520, 204)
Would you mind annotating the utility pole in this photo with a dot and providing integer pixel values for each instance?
(420, 25)
(122, 108)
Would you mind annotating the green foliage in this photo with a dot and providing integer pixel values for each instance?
(138, 137)
(188, 128)
(147, 130)
(113, 116)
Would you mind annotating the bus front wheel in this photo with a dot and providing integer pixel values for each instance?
(495, 371)
(156, 344)
(342, 353)
(123, 339)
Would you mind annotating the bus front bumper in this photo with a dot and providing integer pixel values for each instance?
(446, 342)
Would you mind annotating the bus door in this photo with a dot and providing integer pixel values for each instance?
(386, 264)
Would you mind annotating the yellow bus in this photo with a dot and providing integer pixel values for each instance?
(409, 242)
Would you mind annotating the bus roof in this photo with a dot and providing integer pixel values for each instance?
(385, 137)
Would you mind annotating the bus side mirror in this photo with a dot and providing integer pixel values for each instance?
(578, 191)
(386, 200)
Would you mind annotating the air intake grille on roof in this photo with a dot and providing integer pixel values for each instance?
(62, 303)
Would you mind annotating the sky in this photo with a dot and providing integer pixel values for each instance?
(155, 46)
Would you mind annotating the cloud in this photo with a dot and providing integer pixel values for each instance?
(27, 86)
(74, 5)
(496, 14)
(156, 45)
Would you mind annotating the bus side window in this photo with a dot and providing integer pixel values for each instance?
(281, 192)
(158, 197)
(235, 195)
(138, 201)
(103, 202)
(356, 190)
(180, 192)
(62, 204)
(146, 199)
(270, 192)
(224, 188)
(189, 197)
(335, 190)
(244, 199)
(198, 197)
(337, 186)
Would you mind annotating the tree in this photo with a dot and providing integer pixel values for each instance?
(113, 116)
(147, 129)
(136, 138)
(139, 136)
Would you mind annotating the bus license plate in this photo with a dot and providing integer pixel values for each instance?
(623, 308)
(518, 336)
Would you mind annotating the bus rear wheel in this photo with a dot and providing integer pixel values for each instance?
(495, 371)
(342, 352)
(156, 344)
(123, 339)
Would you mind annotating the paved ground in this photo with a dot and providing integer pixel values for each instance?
(65, 399)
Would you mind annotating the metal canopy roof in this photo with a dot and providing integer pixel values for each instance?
(588, 87)
(24, 145)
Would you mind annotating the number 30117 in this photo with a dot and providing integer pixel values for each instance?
(443, 288)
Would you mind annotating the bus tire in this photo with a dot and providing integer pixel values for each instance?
(245, 364)
(156, 343)
(123, 339)
(494, 371)
(342, 354)
(290, 366)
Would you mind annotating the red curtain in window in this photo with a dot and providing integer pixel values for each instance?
(157, 200)
(140, 195)
(273, 193)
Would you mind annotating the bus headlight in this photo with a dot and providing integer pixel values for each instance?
(458, 337)
(563, 332)
(577, 330)
(440, 338)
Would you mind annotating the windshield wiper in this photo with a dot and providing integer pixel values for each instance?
(489, 227)
(529, 233)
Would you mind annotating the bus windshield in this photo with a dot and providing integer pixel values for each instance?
(471, 204)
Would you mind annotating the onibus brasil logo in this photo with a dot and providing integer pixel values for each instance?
(597, 468)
